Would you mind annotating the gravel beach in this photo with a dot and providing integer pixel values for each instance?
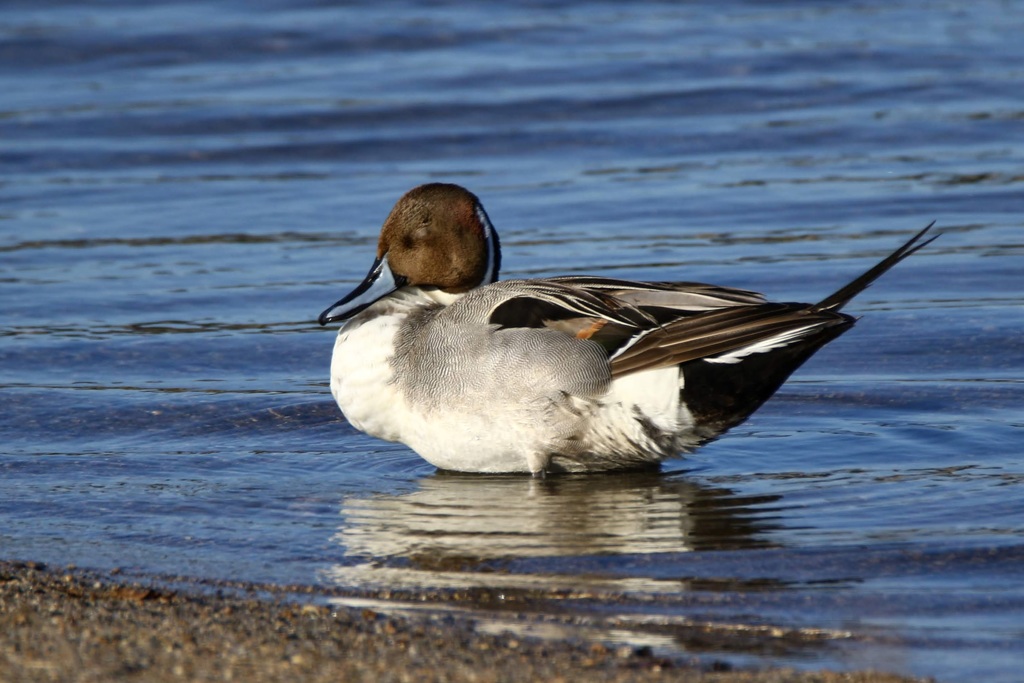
(59, 624)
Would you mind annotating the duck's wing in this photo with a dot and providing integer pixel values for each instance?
(609, 311)
(649, 325)
(664, 299)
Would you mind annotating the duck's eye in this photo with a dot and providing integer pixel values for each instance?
(423, 229)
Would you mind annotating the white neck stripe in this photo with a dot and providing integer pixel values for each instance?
(489, 275)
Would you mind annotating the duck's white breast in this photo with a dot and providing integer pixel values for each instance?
(362, 378)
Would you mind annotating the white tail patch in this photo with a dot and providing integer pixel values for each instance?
(654, 393)
(769, 344)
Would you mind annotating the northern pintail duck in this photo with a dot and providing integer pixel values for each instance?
(572, 373)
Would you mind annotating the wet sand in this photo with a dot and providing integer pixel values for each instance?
(59, 624)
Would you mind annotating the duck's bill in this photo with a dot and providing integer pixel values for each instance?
(377, 284)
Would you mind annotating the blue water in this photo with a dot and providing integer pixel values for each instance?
(184, 186)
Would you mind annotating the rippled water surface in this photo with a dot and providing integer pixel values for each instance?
(185, 186)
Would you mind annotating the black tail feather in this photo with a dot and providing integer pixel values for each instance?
(840, 298)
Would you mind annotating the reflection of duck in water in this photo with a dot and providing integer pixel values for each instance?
(458, 522)
(603, 558)
(558, 374)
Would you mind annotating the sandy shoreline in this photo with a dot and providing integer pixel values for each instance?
(70, 625)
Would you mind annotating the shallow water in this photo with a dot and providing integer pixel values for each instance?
(186, 185)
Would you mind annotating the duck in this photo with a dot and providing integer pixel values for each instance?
(565, 374)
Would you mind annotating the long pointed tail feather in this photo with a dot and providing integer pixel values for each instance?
(840, 298)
